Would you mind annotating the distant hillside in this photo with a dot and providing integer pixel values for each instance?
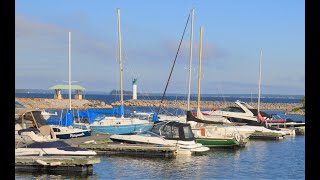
(117, 92)
(41, 91)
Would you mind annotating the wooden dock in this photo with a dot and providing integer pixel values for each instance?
(103, 145)
(266, 136)
(300, 130)
(142, 150)
(55, 163)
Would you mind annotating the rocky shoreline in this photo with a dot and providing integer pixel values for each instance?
(44, 103)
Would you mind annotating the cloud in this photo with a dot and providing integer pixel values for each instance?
(42, 37)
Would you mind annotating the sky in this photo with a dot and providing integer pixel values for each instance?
(234, 33)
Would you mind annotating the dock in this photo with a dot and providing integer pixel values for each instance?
(300, 130)
(141, 150)
(103, 145)
(55, 163)
(266, 136)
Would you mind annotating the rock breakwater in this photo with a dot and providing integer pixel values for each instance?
(44, 103)
(212, 104)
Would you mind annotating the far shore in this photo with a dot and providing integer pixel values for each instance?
(45, 103)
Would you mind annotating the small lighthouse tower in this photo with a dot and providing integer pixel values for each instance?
(134, 89)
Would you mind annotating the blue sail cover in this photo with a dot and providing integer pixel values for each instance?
(53, 121)
(92, 114)
(67, 120)
(120, 110)
(155, 117)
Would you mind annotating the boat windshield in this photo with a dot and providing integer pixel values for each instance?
(149, 134)
(188, 132)
(173, 130)
(232, 109)
(156, 128)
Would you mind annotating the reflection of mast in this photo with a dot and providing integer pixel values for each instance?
(190, 63)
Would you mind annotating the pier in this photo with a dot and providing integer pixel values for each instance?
(103, 145)
(55, 163)
(145, 150)
(266, 136)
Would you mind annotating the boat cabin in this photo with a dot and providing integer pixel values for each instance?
(173, 130)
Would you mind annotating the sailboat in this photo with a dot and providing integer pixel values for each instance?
(65, 129)
(120, 125)
(204, 132)
(169, 131)
(278, 122)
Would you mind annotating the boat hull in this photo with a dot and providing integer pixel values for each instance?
(123, 129)
(217, 142)
(74, 135)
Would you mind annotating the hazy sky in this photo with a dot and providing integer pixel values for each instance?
(233, 34)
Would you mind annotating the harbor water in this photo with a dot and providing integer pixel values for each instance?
(259, 159)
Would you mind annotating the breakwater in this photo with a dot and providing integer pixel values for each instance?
(46, 103)
(288, 107)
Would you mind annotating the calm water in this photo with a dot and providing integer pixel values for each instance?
(283, 159)
(260, 159)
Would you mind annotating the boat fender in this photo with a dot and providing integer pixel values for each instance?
(238, 137)
(57, 163)
(39, 161)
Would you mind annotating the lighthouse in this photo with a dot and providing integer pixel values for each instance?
(134, 89)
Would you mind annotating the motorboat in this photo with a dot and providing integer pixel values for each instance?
(242, 111)
(165, 133)
(246, 114)
(219, 135)
(31, 126)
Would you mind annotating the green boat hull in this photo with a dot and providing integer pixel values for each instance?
(216, 142)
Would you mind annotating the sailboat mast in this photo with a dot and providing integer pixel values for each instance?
(199, 73)
(259, 82)
(190, 63)
(120, 57)
(70, 71)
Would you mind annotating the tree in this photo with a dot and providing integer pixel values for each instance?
(303, 101)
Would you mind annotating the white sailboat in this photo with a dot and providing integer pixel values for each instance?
(170, 131)
(202, 126)
(66, 130)
(200, 118)
(120, 125)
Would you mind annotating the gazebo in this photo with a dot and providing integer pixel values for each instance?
(59, 87)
